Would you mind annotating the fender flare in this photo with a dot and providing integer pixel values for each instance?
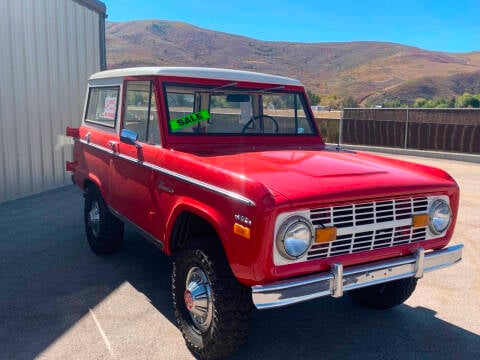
(211, 215)
(95, 181)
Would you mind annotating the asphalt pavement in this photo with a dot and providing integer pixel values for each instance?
(58, 300)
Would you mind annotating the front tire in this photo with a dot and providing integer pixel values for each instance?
(386, 295)
(104, 231)
(213, 310)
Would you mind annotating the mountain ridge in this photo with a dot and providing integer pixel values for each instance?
(363, 69)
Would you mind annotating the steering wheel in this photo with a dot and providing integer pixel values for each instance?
(252, 124)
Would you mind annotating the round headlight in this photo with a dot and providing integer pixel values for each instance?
(294, 237)
(440, 216)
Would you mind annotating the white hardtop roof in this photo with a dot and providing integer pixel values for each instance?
(197, 72)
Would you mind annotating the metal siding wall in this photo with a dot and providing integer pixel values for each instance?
(6, 110)
(49, 49)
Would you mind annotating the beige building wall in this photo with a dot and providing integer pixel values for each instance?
(48, 50)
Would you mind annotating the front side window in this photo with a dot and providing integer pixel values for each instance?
(141, 111)
(236, 111)
(102, 106)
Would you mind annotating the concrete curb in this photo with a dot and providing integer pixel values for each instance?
(425, 153)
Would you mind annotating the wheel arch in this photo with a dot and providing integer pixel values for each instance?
(187, 222)
(93, 180)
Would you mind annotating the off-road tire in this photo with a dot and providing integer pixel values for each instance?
(386, 295)
(232, 301)
(106, 236)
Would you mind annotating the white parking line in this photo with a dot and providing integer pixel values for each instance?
(104, 337)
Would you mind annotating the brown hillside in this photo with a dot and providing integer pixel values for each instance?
(361, 69)
(430, 88)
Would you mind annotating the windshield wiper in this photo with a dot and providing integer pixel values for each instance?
(270, 89)
(224, 86)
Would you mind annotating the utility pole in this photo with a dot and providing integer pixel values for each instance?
(340, 128)
(406, 129)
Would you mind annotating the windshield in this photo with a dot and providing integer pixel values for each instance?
(235, 111)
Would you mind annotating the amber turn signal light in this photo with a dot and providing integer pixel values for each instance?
(420, 220)
(241, 230)
(325, 235)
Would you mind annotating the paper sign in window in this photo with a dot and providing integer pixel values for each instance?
(110, 108)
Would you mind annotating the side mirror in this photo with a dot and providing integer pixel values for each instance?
(129, 137)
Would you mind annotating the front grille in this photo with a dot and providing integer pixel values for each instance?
(368, 226)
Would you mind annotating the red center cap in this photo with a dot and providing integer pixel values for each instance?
(188, 299)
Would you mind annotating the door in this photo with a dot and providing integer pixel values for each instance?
(131, 177)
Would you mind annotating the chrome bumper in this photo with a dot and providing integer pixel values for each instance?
(338, 280)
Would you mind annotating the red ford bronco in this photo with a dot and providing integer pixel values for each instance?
(227, 172)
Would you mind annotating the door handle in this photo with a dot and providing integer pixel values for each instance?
(113, 144)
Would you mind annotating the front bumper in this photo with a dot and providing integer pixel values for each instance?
(338, 280)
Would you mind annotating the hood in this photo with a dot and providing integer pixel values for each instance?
(325, 175)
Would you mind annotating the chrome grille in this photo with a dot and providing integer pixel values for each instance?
(368, 226)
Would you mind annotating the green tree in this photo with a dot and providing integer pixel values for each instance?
(471, 101)
(468, 100)
(419, 103)
(137, 98)
(332, 101)
(443, 104)
(451, 102)
(313, 98)
(278, 102)
(218, 101)
(350, 102)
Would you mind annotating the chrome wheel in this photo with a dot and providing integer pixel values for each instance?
(212, 308)
(198, 298)
(104, 231)
(94, 218)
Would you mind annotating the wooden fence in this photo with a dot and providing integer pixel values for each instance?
(424, 129)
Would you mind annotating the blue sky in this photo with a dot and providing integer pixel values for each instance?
(433, 25)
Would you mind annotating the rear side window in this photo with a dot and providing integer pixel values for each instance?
(102, 106)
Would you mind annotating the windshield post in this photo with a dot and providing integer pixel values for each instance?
(296, 112)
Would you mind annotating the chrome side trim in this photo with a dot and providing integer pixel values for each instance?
(138, 229)
(190, 180)
(202, 184)
(98, 147)
(333, 283)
